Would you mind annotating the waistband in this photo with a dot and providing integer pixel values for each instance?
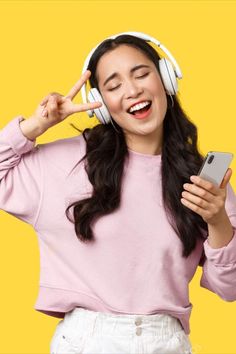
(92, 322)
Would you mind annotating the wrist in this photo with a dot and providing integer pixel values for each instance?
(32, 128)
(221, 232)
(221, 218)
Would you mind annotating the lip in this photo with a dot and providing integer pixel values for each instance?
(143, 115)
(144, 100)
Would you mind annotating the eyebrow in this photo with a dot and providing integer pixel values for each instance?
(112, 76)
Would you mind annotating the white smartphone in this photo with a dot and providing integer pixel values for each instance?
(215, 166)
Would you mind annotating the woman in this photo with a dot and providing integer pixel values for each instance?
(119, 263)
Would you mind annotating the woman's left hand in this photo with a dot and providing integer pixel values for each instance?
(205, 198)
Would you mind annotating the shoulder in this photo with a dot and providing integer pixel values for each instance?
(72, 143)
(64, 153)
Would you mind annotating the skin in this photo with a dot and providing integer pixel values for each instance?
(208, 200)
(144, 136)
(55, 107)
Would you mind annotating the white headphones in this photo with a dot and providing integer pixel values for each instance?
(169, 75)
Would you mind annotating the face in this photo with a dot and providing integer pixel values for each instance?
(128, 86)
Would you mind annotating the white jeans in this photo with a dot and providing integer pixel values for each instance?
(84, 331)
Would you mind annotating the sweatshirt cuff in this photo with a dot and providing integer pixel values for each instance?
(224, 255)
(13, 135)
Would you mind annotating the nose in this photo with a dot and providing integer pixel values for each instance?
(132, 89)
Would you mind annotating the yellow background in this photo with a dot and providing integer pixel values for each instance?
(43, 47)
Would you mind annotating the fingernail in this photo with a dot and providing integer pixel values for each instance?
(193, 178)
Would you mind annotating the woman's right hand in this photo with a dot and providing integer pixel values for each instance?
(54, 108)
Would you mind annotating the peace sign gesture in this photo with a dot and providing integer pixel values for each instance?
(54, 108)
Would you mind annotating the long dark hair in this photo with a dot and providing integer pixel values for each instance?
(106, 151)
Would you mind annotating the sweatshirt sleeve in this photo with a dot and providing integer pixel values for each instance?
(20, 173)
(219, 264)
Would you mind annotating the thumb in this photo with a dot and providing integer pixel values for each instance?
(226, 178)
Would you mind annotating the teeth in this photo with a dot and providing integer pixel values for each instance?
(139, 106)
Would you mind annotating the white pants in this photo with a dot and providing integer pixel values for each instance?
(84, 331)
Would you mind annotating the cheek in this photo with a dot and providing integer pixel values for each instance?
(164, 102)
(112, 104)
(157, 87)
(161, 94)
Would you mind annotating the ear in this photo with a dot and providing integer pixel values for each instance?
(226, 178)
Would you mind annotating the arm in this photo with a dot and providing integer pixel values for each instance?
(31, 129)
(219, 264)
(20, 171)
(217, 207)
(221, 233)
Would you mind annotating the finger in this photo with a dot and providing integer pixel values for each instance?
(76, 88)
(51, 107)
(45, 100)
(210, 187)
(58, 100)
(195, 200)
(198, 191)
(193, 207)
(226, 178)
(86, 106)
(44, 112)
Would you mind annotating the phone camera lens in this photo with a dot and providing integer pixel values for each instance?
(211, 158)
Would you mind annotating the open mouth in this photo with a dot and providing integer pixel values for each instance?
(140, 110)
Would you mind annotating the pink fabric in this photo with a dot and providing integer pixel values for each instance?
(135, 264)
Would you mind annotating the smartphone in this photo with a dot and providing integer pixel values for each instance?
(215, 166)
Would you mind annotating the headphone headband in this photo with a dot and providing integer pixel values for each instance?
(141, 35)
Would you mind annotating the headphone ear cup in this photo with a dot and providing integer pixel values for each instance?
(102, 112)
(168, 76)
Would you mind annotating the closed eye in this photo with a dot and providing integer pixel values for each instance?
(142, 75)
(113, 88)
(138, 77)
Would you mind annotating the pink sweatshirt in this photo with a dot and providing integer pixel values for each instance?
(135, 265)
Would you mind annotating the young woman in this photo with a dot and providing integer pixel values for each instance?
(123, 221)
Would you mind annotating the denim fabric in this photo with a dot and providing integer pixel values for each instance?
(84, 331)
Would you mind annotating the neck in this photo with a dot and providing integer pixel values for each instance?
(146, 144)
